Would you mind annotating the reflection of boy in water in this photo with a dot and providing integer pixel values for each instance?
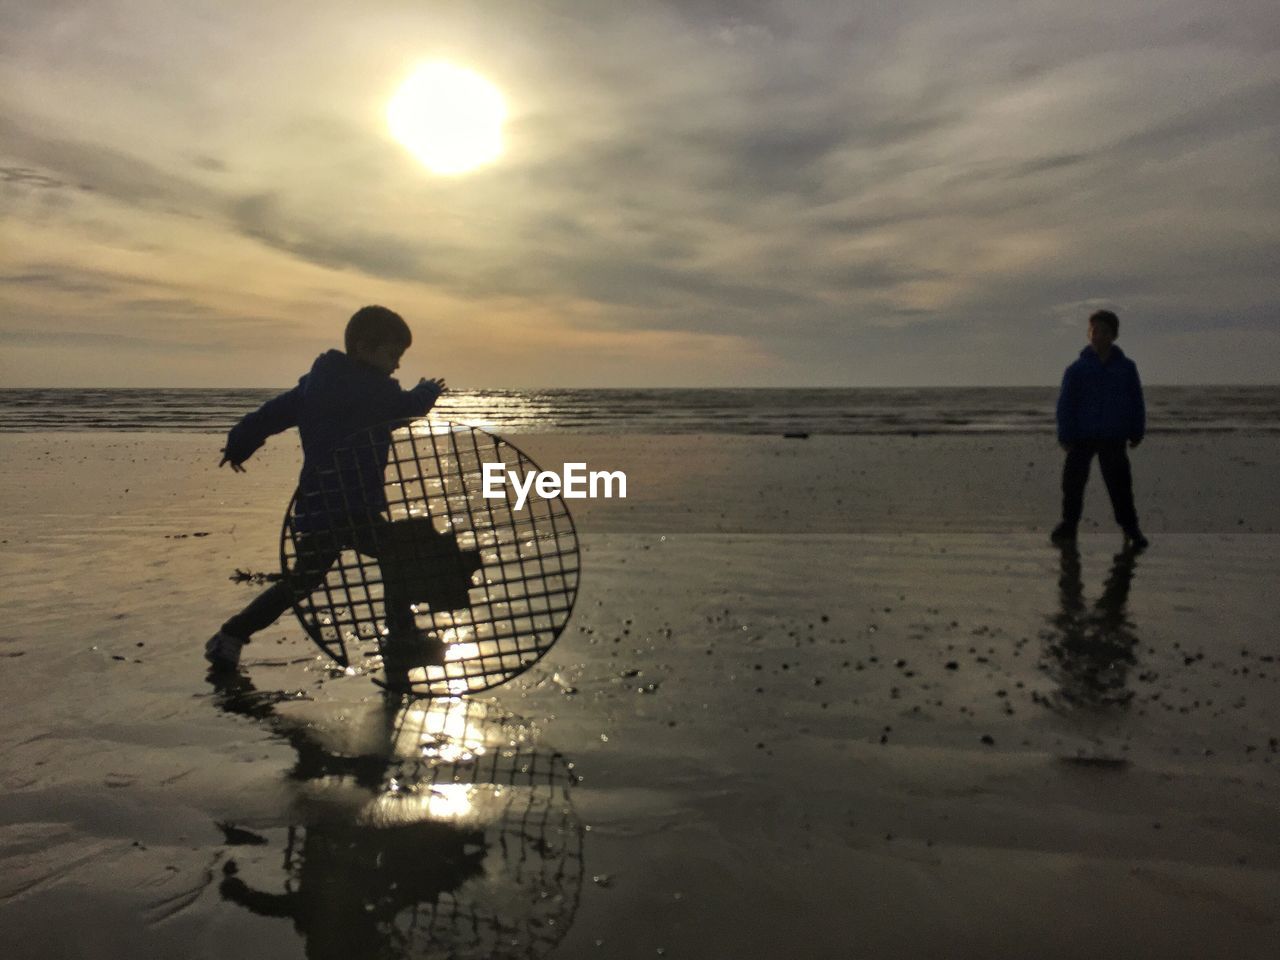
(353, 881)
(350, 879)
(340, 491)
(1093, 649)
(506, 883)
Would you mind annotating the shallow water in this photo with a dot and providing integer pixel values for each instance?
(780, 739)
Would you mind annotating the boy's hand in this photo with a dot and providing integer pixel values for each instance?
(237, 467)
(437, 386)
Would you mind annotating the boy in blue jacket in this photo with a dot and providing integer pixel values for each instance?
(1100, 408)
(340, 490)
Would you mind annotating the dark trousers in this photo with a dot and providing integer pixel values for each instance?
(1114, 463)
(316, 553)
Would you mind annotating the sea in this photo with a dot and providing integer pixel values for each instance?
(813, 411)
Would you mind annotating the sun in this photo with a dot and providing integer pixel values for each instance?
(449, 117)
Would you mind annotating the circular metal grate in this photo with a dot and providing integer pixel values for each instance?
(402, 569)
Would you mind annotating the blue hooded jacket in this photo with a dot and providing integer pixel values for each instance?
(1101, 401)
(340, 398)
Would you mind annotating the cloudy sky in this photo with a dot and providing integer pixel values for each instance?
(700, 192)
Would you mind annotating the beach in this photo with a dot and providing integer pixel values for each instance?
(823, 697)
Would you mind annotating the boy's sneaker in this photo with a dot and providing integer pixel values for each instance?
(223, 651)
(1134, 539)
(1063, 533)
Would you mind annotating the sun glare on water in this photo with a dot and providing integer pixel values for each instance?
(449, 117)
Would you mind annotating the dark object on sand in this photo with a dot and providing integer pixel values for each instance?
(255, 577)
(237, 836)
(795, 435)
(423, 582)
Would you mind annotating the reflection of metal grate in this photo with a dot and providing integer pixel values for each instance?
(403, 568)
(520, 797)
(466, 843)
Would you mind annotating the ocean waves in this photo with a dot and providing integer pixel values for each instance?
(854, 411)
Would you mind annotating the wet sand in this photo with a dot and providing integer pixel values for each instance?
(825, 698)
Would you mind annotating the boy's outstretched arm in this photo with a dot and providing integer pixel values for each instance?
(275, 416)
(420, 399)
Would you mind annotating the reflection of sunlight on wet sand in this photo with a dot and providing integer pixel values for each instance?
(449, 801)
(440, 731)
(458, 650)
(461, 803)
(462, 651)
(456, 635)
(458, 645)
(449, 735)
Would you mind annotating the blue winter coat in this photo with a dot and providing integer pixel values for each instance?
(1101, 401)
(341, 398)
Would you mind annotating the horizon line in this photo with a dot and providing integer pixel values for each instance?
(617, 389)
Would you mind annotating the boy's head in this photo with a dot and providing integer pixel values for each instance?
(378, 337)
(1104, 327)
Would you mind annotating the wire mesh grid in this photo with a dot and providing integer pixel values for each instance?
(402, 567)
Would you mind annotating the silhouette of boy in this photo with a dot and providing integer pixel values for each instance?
(1100, 408)
(340, 499)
